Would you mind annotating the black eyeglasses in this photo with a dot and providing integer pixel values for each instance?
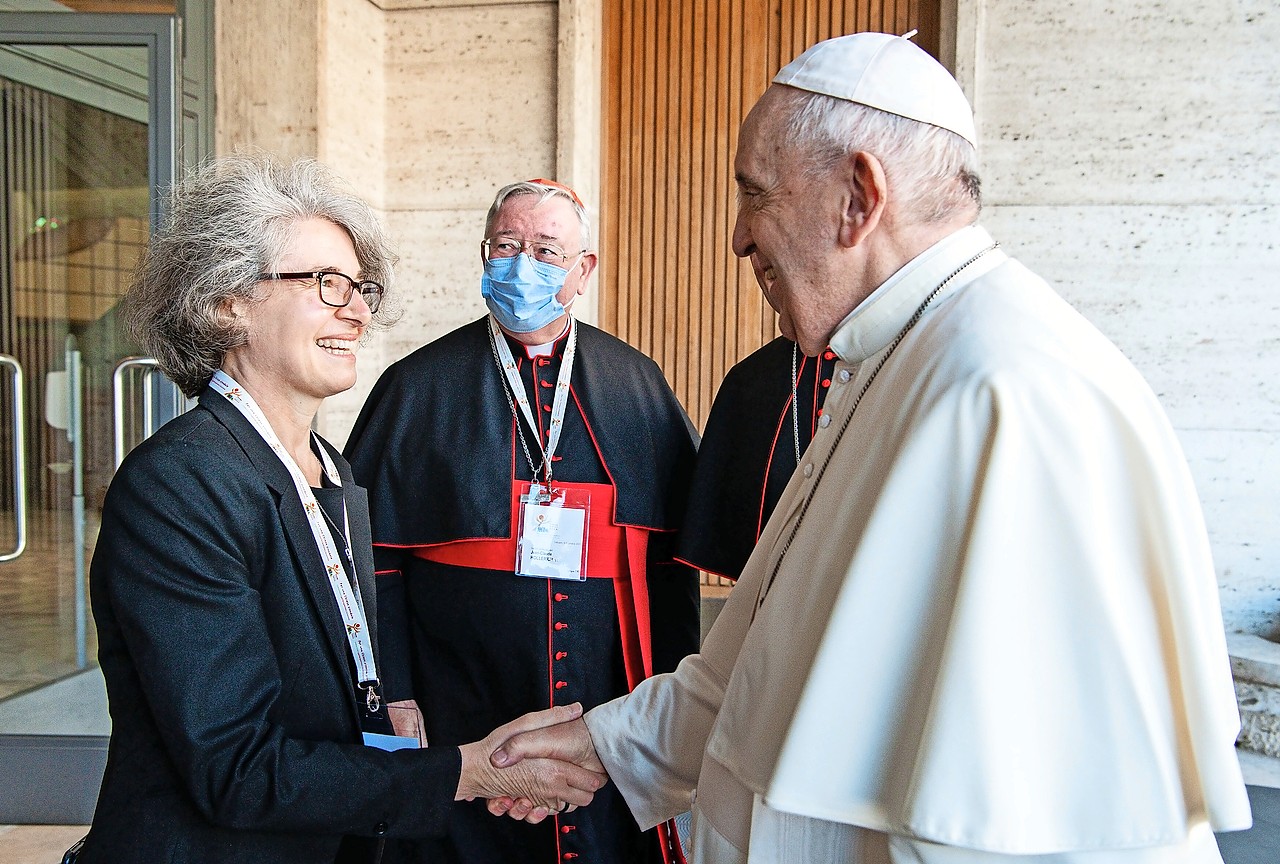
(336, 289)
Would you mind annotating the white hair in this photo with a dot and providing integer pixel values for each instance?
(932, 171)
(543, 191)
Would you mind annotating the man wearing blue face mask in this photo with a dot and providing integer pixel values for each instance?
(526, 476)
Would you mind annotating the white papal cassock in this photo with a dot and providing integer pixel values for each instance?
(996, 634)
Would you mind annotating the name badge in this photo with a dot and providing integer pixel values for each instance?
(552, 538)
(390, 743)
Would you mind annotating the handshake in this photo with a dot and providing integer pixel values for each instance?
(536, 765)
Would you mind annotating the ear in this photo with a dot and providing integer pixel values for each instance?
(587, 266)
(231, 311)
(867, 194)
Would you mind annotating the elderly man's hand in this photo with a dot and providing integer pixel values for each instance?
(567, 742)
(541, 784)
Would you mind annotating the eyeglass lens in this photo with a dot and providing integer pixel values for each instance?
(510, 247)
(336, 290)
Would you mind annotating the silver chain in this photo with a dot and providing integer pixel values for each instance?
(346, 547)
(795, 400)
(902, 334)
(536, 469)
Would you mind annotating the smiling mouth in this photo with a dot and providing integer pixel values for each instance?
(765, 274)
(338, 347)
(766, 277)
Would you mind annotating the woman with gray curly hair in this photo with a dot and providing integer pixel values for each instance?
(230, 220)
(232, 583)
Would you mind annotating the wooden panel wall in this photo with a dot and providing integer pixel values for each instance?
(679, 76)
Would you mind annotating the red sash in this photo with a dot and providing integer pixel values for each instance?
(617, 552)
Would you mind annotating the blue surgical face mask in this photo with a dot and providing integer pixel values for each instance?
(521, 292)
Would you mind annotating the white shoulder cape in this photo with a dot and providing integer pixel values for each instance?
(998, 625)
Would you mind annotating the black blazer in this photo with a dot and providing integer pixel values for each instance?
(235, 733)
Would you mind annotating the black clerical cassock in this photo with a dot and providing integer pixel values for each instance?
(439, 447)
(748, 452)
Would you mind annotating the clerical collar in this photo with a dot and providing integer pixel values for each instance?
(546, 349)
(873, 324)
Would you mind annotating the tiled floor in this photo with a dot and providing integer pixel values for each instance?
(37, 604)
(37, 844)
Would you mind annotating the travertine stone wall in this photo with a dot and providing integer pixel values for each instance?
(427, 107)
(471, 105)
(351, 86)
(1255, 665)
(1131, 155)
(353, 113)
(266, 71)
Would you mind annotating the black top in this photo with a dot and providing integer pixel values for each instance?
(748, 453)
(236, 731)
(439, 447)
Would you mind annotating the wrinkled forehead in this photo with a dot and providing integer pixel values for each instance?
(534, 217)
(760, 138)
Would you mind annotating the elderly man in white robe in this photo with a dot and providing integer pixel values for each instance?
(983, 623)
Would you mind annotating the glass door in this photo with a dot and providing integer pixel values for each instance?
(88, 129)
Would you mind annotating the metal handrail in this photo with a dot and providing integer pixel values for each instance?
(75, 434)
(117, 395)
(19, 460)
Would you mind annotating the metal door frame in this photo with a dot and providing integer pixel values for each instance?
(161, 35)
(69, 768)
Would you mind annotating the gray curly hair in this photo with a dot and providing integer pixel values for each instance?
(229, 220)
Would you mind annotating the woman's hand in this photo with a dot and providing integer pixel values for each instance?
(407, 721)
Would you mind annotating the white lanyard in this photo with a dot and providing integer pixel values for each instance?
(507, 363)
(346, 593)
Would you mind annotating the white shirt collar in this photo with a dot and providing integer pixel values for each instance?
(873, 323)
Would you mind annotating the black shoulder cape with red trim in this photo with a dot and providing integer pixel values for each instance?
(427, 485)
(747, 454)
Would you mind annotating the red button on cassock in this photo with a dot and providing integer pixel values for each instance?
(560, 625)
(560, 685)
